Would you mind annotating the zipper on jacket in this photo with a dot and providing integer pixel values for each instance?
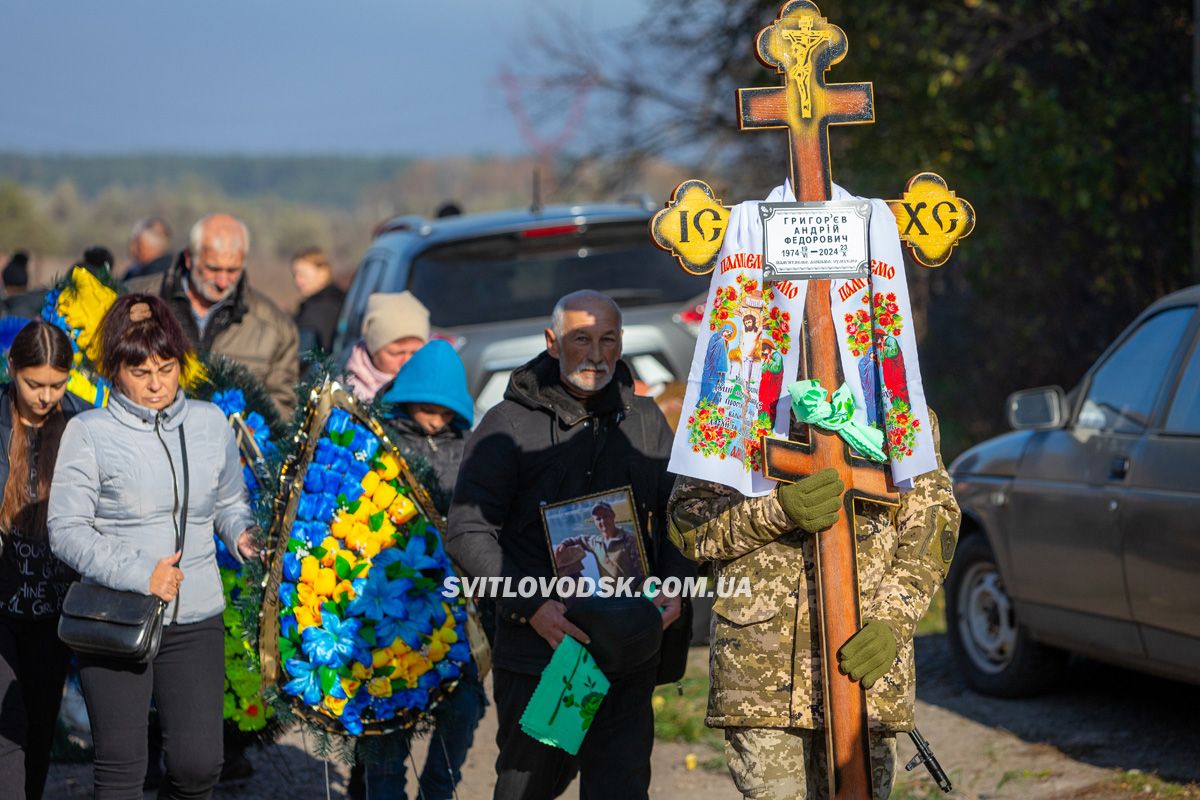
(175, 507)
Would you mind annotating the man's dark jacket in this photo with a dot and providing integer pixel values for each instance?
(247, 328)
(317, 319)
(156, 267)
(542, 446)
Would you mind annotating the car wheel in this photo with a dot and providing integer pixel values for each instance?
(994, 652)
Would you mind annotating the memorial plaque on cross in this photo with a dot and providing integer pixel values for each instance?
(802, 45)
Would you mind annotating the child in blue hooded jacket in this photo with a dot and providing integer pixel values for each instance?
(429, 416)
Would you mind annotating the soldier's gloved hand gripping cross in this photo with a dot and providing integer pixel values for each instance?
(812, 503)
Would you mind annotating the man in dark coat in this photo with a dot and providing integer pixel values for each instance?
(570, 426)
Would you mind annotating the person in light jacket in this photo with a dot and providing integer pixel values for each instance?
(119, 486)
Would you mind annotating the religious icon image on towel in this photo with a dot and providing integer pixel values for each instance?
(596, 537)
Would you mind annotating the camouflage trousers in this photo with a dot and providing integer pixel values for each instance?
(789, 763)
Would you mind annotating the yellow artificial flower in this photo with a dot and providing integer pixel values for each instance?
(349, 686)
(399, 647)
(309, 566)
(307, 618)
(360, 671)
(389, 467)
(343, 525)
(344, 589)
(370, 482)
(402, 510)
(410, 667)
(330, 546)
(326, 580)
(384, 495)
(380, 657)
(335, 704)
(357, 536)
(309, 598)
(365, 510)
(380, 687)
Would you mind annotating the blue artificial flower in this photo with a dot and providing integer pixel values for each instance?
(291, 567)
(414, 557)
(334, 643)
(305, 682)
(357, 470)
(460, 650)
(225, 559)
(364, 443)
(447, 669)
(326, 508)
(314, 479)
(288, 626)
(351, 721)
(381, 597)
(351, 488)
(325, 452)
(287, 589)
(429, 680)
(306, 508)
(410, 631)
(459, 610)
(339, 421)
(412, 698)
(230, 401)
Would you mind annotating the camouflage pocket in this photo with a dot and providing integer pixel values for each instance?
(765, 600)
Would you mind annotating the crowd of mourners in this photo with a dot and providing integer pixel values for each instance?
(95, 495)
(129, 496)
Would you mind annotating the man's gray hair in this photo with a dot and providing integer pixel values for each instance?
(574, 301)
(154, 229)
(196, 237)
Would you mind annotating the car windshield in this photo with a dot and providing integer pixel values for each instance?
(518, 276)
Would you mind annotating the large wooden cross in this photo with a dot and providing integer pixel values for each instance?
(801, 45)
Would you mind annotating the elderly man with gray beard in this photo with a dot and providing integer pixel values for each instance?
(208, 292)
(570, 426)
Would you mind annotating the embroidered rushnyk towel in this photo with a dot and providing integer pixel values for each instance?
(748, 351)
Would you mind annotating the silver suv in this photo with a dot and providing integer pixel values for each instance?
(491, 280)
(1081, 529)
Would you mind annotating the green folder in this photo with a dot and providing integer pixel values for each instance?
(566, 698)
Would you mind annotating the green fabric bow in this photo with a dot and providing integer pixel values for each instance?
(810, 404)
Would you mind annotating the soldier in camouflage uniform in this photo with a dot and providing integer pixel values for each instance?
(765, 662)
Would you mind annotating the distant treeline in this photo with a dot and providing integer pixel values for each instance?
(327, 181)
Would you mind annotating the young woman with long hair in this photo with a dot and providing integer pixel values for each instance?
(34, 409)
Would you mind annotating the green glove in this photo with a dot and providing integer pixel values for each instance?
(813, 503)
(869, 654)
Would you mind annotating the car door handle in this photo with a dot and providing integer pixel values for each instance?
(1119, 468)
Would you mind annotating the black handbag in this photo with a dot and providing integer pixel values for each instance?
(100, 621)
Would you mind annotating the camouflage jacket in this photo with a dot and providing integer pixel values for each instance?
(764, 660)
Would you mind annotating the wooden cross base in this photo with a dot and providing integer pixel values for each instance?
(789, 460)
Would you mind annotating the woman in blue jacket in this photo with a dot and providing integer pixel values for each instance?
(123, 478)
(34, 409)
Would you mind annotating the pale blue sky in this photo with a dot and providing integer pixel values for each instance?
(286, 76)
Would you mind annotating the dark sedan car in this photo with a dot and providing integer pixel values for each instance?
(1081, 528)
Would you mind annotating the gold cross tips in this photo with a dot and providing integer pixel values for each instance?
(691, 227)
(931, 218)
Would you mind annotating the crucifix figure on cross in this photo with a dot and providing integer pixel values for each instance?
(816, 668)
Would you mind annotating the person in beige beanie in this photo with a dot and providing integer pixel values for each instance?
(394, 327)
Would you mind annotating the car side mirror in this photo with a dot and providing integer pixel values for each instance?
(1041, 409)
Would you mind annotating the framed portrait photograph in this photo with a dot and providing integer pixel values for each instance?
(596, 537)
